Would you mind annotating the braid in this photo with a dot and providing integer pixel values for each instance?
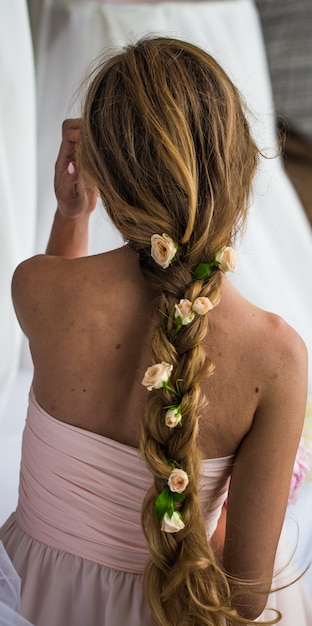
(182, 566)
(159, 140)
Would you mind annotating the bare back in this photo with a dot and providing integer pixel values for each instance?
(90, 323)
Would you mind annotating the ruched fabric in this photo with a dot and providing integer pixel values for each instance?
(82, 493)
(76, 539)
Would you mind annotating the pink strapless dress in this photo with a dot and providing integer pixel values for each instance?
(76, 539)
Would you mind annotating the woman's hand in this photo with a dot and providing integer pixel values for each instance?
(74, 195)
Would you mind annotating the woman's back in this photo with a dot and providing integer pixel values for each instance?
(90, 322)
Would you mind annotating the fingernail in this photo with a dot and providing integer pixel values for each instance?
(71, 168)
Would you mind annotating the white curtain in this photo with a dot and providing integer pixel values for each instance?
(17, 173)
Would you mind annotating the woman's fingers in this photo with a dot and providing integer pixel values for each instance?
(73, 195)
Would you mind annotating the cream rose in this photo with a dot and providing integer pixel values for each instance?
(163, 249)
(184, 311)
(173, 417)
(202, 305)
(172, 524)
(227, 259)
(156, 375)
(178, 480)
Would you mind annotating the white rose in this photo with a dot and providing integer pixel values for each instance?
(184, 311)
(202, 305)
(156, 375)
(173, 417)
(227, 259)
(172, 524)
(178, 480)
(163, 249)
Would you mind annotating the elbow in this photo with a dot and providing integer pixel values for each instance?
(250, 605)
(251, 613)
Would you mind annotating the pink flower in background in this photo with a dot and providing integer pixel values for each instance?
(301, 468)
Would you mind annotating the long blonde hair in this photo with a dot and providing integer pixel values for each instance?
(166, 142)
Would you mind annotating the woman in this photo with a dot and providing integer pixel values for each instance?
(132, 347)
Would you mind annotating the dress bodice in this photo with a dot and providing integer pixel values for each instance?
(82, 493)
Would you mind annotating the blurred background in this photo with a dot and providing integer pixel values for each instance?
(286, 27)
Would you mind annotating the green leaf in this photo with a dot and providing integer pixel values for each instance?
(163, 502)
(170, 511)
(178, 497)
(203, 270)
(166, 386)
(178, 323)
(178, 392)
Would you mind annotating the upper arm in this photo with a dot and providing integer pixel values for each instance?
(263, 466)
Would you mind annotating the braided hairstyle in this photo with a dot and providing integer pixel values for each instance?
(166, 142)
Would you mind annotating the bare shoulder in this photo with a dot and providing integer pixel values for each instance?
(46, 288)
(280, 361)
(275, 344)
(47, 276)
(275, 354)
(30, 273)
(33, 269)
(283, 352)
(33, 287)
(37, 270)
(285, 367)
(283, 341)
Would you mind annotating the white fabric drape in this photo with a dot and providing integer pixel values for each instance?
(10, 586)
(17, 173)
